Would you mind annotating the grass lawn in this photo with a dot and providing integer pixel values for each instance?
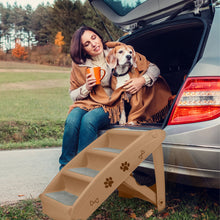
(34, 104)
(29, 76)
(28, 66)
(32, 96)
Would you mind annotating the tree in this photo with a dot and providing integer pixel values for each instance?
(16, 19)
(15, 23)
(40, 23)
(59, 40)
(19, 52)
(27, 25)
(5, 26)
(66, 17)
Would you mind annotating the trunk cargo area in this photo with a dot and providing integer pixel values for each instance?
(172, 47)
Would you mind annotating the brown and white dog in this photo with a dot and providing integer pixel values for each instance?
(121, 59)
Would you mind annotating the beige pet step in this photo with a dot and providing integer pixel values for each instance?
(105, 165)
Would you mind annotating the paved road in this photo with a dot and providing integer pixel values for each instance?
(25, 173)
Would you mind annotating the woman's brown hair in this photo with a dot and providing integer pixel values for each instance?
(77, 52)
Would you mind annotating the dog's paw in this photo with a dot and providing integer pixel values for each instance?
(122, 121)
(132, 123)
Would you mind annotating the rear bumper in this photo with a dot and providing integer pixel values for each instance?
(175, 160)
(192, 154)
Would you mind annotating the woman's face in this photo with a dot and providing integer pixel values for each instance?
(92, 43)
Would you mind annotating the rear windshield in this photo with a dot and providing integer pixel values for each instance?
(122, 7)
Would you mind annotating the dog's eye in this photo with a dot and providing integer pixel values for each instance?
(120, 51)
(130, 52)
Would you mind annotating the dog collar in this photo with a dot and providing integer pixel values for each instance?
(114, 73)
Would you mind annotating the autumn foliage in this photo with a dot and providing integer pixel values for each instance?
(19, 52)
(59, 40)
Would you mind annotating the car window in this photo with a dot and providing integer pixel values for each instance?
(123, 7)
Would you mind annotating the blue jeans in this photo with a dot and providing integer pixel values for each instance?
(81, 128)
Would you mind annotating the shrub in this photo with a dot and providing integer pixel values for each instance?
(49, 54)
(19, 52)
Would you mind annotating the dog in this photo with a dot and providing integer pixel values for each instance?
(121, 59)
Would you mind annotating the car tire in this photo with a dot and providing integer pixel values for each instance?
(143, 178)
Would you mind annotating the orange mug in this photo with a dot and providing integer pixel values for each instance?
(96, 71)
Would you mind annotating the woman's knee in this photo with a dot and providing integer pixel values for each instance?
(88, 121)
(95, 119)
(73, 120)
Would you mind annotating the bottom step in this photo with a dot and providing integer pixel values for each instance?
(63, 197)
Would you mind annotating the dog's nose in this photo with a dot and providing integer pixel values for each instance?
(128, 57)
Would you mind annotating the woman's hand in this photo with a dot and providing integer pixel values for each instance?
(90, 81)
(134, 85)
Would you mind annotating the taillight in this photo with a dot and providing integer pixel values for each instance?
(199, 100)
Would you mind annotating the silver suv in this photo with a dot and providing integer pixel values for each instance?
(183, 39)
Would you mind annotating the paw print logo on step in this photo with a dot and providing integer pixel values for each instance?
(124, 166)
(108, 182)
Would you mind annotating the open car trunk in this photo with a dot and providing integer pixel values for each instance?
(169, 33)
(173, 48)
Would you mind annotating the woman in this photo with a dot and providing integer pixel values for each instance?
(95, 106)
(81, 125)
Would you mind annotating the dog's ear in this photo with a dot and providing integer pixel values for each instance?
(111, 58)
(133, 56)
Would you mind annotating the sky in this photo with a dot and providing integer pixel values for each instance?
(23, 3)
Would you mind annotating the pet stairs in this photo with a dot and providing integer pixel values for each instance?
(104, 166)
